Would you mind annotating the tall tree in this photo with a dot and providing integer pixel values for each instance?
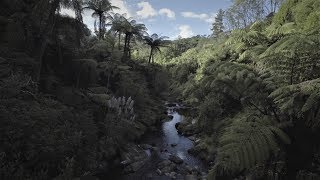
(100, 10)
(155, 42)
(217, 26)
(47, 24)
(244, 12)
(132, 30)
(117, 25)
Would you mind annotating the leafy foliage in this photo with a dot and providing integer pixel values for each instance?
(248, 140)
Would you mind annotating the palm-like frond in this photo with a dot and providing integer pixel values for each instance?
(301, 100)
(248, 140)
(293, 57)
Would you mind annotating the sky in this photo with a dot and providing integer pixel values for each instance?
(172, 18)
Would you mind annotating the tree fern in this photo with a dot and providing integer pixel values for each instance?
(293, 57)
(248, 140)
(300, 100)
(275, 32)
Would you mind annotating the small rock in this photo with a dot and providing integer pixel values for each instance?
(175, 159)
(174, 144)
(192, 138)
(177, 125)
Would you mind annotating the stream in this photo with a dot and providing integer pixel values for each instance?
(167, 143)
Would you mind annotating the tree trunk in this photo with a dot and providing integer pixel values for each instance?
(128, 48)
(119, 40)
(100, 26)
(125, 47)
(151, 53)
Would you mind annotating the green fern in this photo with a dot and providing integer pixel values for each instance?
(300, 100)
(248, 140)
(293, 58)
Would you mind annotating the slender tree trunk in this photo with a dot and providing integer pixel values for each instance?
(150, 56)
(100, 26)
(128, 46)
(125, 47)
(119, 40)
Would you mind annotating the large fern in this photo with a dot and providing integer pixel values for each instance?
(248, 140)
(293, 57)
(300, 100)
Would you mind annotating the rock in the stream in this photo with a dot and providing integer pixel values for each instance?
(174, 144)
(192, 138)
(175, 159)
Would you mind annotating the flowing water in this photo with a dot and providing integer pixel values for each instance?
(169, 142)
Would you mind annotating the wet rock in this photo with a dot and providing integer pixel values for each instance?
(177, 125)
(170, 117)
(192, 138)
(174, 144)
(193, 151)
(175, 159)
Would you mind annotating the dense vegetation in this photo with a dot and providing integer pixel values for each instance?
(70, 101)
(255, 84)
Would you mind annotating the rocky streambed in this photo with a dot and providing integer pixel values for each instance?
(163, 154)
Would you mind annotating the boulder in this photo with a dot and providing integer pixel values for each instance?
(175, 159)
